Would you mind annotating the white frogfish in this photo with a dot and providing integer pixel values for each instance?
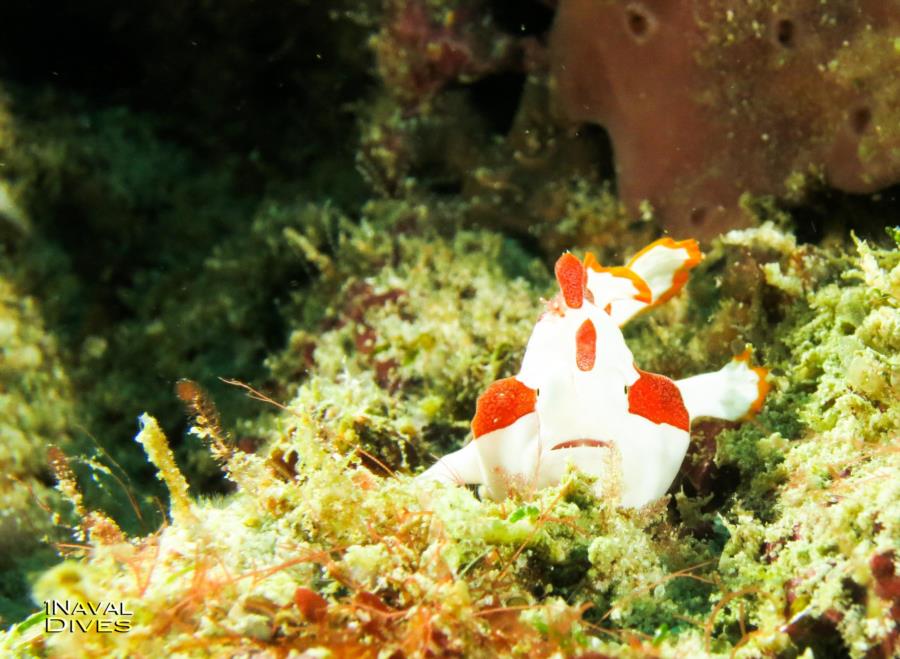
(580, 399)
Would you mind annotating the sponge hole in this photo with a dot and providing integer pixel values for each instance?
(785, 32)
(698, 216)
(640, 22)
(860, 120)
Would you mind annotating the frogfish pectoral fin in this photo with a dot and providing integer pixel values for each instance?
(734, 392)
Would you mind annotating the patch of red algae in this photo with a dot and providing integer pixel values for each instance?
(422, 46)
(707, 99)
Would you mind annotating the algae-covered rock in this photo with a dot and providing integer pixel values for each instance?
(837, 493)
(36, 412)
(325, 506)
(413, 326)
(328, 542)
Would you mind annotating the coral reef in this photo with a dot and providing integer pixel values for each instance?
(819, 564)
(802, 90)
(293, 242)
(329, 543)
(126, 289)
(419, 339)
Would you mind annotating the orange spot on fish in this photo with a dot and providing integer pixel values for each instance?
(655, 397)
(571, 277)
(586, 346)
(501, 405)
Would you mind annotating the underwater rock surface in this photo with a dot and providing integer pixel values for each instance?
(294, 281)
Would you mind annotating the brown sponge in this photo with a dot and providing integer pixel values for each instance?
(707, 99)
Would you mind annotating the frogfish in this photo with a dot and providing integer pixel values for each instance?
(579, 397)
